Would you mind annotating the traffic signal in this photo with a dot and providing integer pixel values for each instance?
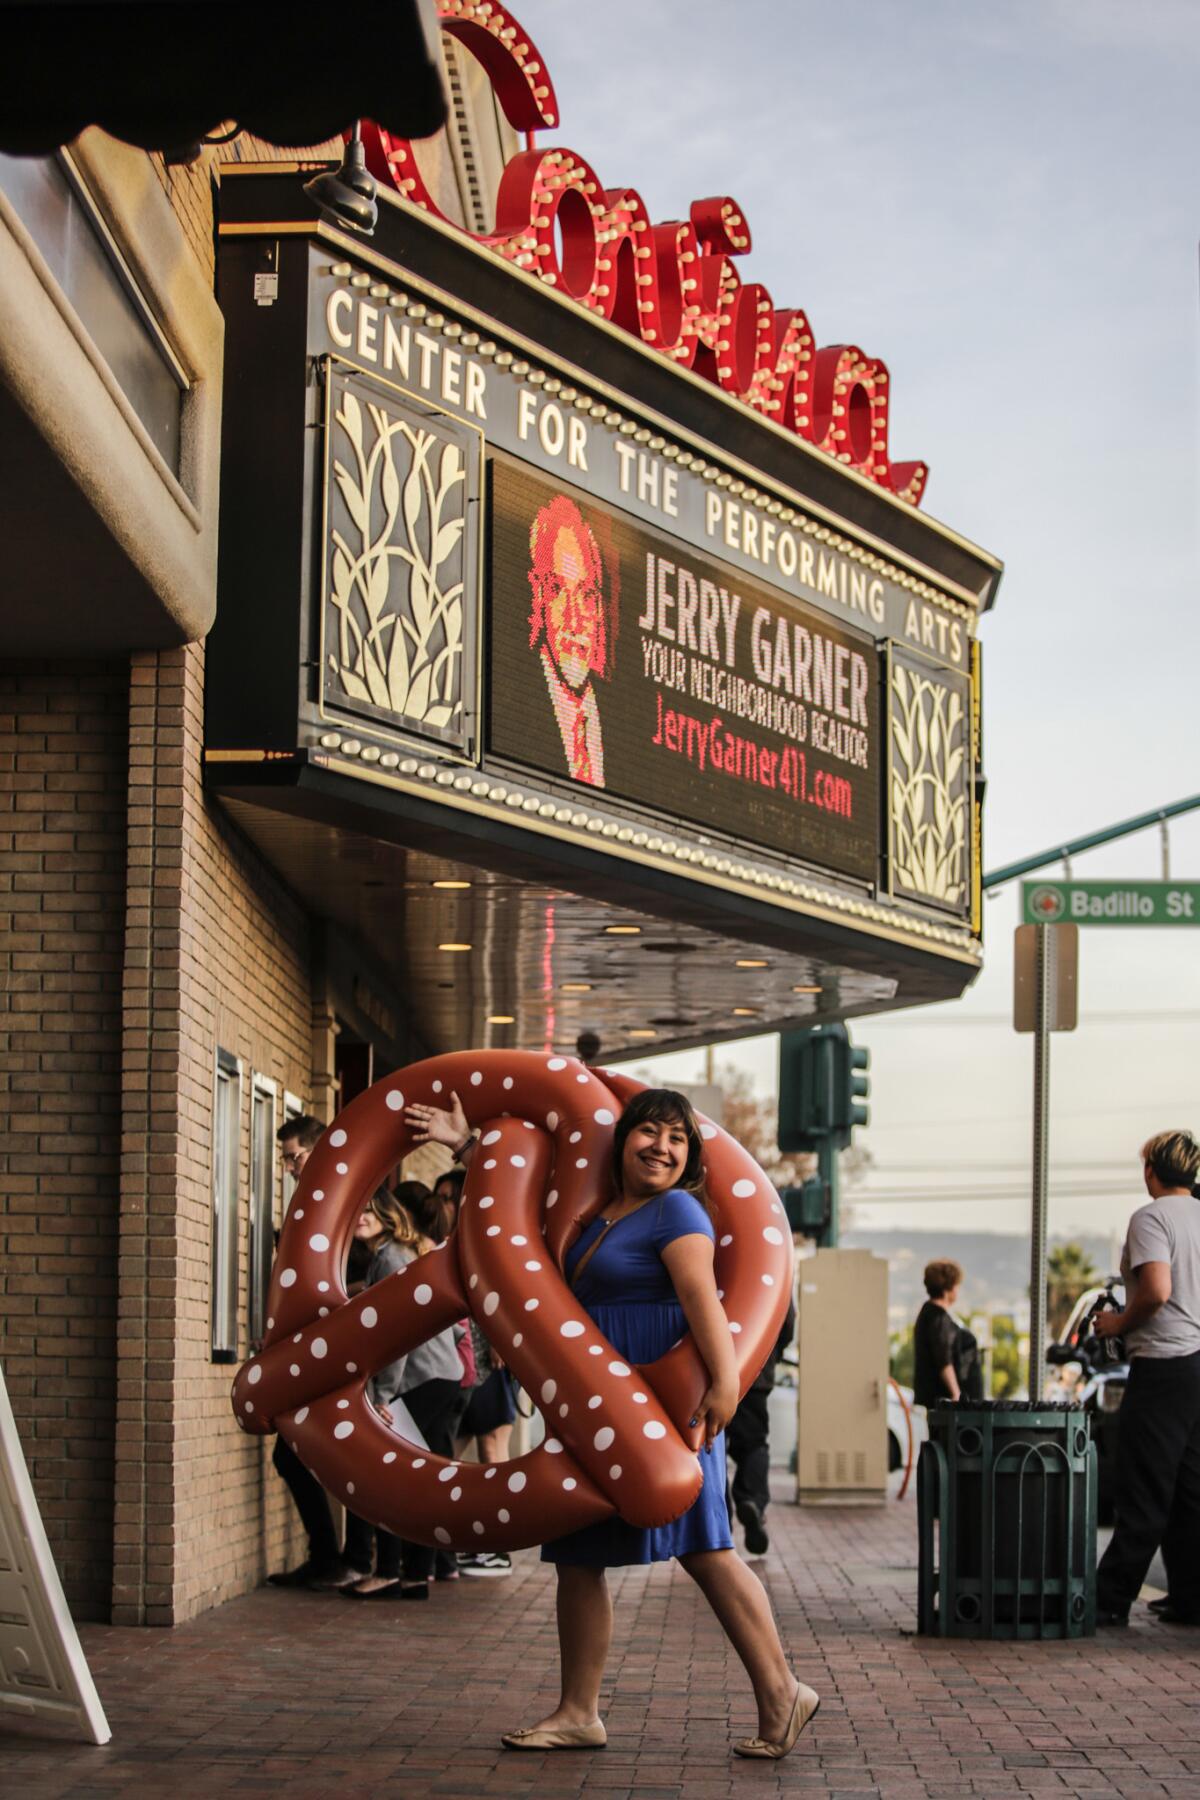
(822, 1084)
(852, 1087)
(808, 1207)
(806, 1088)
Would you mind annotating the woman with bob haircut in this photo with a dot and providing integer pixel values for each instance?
(945, 1353)
(643, 1271)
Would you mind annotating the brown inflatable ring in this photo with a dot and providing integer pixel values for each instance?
(617, 1437)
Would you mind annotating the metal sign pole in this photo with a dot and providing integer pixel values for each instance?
(1041, 1160)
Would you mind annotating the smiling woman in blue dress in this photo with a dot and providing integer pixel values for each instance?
(643, 1270)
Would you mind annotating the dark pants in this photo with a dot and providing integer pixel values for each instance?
(1157, 1485)
(746, 1441)
(311, 1504)
(436, 1408)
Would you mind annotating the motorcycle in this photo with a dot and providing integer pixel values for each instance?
(1100, 1385)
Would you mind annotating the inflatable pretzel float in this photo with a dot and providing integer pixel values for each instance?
(618, 1438)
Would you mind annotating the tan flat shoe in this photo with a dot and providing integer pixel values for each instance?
(564, 1737)
(805, 1706)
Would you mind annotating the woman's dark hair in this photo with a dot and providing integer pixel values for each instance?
(433, 1218)
(942, 1278)
(663, 1106)
(453, 1179)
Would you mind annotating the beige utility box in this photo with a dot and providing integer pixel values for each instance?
(841, 1403)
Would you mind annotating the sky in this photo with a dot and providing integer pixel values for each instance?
(1003, 202)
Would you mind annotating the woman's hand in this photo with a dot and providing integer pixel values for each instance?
(435, 1125)
(385, 1413)
(1108, 1324)
(716, 1409)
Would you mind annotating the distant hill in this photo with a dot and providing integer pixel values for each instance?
(995, 1264)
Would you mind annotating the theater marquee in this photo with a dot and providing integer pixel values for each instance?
(713, 653)
(553, 583)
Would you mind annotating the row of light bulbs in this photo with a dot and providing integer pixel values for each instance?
(499, 793)
(605, 414)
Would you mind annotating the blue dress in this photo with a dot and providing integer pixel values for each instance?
(627, 1290)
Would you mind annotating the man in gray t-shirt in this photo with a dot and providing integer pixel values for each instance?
(1158, 1458)
(1167, 1231)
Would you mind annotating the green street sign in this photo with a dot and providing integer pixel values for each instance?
(1110, 902)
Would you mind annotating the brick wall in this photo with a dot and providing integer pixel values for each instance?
(63, 732)
(218, 954)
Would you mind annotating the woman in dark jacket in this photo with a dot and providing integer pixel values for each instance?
(945, 1354)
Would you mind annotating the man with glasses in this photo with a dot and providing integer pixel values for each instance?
(325, 1566)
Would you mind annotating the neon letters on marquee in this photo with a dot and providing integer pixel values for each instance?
(673, 285)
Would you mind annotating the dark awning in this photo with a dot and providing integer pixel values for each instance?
(165, 76)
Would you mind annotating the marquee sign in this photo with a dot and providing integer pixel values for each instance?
(673, 285)
(519, 571)
(624, 660)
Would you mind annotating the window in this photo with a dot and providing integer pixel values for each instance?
(262, 1202)
(49, 197)
(292, 1109)
(227, 1106)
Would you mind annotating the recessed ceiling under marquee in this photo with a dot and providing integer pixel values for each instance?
(546, 955)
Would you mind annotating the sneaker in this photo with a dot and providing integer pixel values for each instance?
(488, 1563)
(755, 1527)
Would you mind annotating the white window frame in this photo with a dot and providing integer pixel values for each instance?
(226, 1169)
(293, 1108)
(261, 1222)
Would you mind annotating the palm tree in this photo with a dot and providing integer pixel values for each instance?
(1070, 1271)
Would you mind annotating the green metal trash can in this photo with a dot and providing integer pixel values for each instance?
(1006, 1507)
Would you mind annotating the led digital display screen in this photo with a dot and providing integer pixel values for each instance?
(625, 660)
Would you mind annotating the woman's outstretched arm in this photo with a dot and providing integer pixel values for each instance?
(436, 1125)
(689, 1262)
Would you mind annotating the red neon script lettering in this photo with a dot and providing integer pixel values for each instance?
(673, 285)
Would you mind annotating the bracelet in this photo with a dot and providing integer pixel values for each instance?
(460, 1150)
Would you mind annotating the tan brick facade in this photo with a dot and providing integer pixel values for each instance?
(216, 955)
(62, 889)
(141, 934)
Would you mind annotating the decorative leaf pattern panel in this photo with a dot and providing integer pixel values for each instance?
(399, 613)
(929, 779)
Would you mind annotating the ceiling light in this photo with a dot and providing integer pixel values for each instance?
(500, 1018)
(623, 930)
(576, 987)
(751, 962)
(808, 990)
(745, 1012)
(450, 884)
(642, 1031)
(454, 946)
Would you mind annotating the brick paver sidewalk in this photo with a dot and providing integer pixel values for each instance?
(303, 1695)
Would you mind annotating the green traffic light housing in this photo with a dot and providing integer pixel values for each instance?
(823, 1087)
(857, 1087)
